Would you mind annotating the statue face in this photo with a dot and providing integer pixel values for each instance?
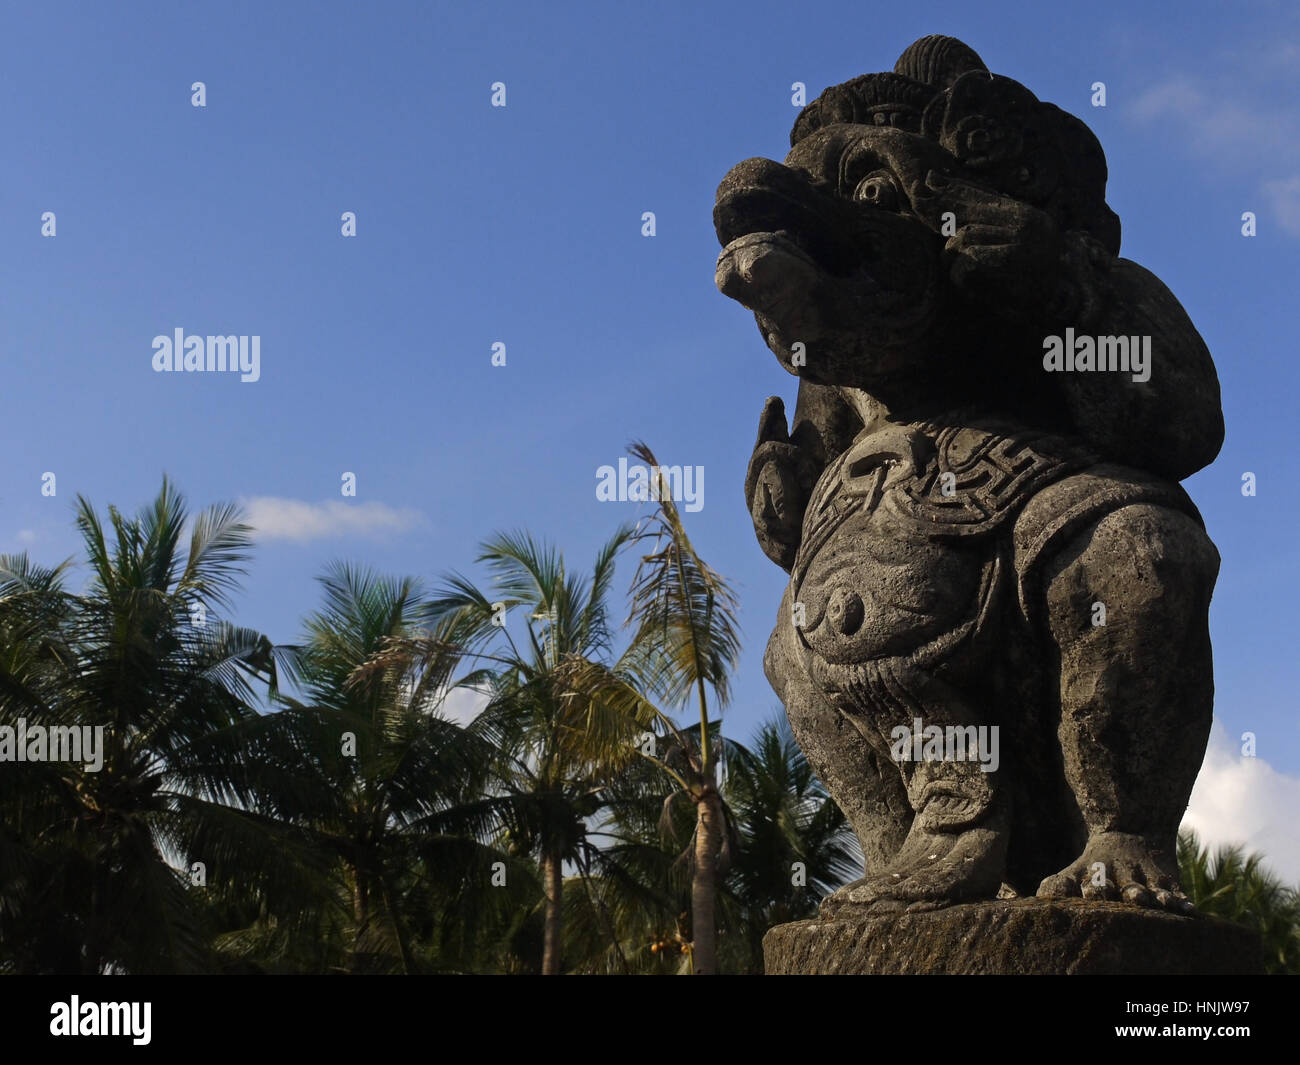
(838, 250)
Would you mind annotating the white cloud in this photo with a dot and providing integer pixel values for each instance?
(1284, 196)
(1224, 124)
(276, 518)
(1246, 801)
(26, 536)
(1213, 124)
(463, 705)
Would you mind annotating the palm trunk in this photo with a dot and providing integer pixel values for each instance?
(360, 917)
(399, 932)
(708, 842)
(553, 885)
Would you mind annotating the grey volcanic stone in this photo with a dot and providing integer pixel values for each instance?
(1025, 936)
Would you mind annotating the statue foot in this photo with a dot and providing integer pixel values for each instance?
(1120, 866)
(932, 870)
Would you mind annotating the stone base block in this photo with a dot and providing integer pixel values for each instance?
(1016, 937)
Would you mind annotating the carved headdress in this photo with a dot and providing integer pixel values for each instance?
(1001, 135)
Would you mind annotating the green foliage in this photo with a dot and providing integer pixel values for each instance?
(1236, 886)
(795, 847)
(93, 864)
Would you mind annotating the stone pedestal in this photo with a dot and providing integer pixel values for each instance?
(1017, 937)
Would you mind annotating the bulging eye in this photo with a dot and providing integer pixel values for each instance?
(879, 190)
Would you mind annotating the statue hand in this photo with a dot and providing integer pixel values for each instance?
(777, 485)
(1004, 250)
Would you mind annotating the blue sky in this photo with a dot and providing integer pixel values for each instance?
(523, 225)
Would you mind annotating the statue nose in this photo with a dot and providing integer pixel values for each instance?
(845, 612)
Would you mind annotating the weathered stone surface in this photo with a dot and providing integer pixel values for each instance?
(1027, 936)
(986, 541)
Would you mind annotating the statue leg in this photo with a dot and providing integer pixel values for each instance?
(1136, 695)
(956, 847)
(866, 784)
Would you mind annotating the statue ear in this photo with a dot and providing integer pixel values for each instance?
(1001, 134)
(1081, 201)
(985, 120)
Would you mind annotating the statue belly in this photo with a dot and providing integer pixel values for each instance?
(873, 590)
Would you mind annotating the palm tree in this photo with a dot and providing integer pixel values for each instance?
(684, 646)
(1236, 886)
(34, 610)
(786, 846)
(795, 847)
(397, 801)
(99, 863)
(555, 756)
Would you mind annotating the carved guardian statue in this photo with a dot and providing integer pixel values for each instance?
(977, 499)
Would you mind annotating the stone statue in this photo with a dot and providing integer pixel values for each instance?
(994, 646)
